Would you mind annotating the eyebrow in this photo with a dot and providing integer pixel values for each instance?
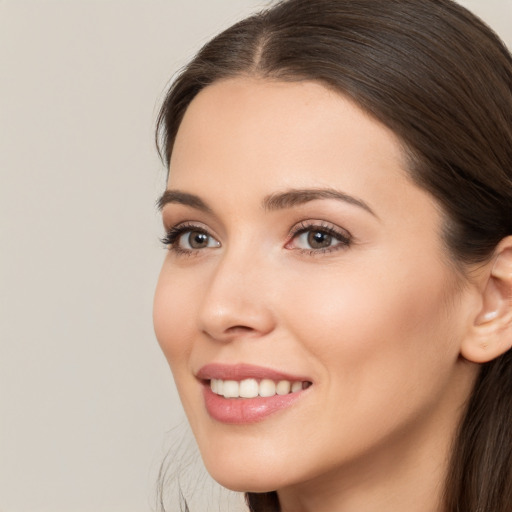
(272, 202)
(295, 197)
(179, 197)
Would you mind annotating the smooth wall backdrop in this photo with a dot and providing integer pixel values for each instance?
(87, 404)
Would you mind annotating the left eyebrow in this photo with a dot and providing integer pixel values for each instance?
(295, 197)
(179, 197)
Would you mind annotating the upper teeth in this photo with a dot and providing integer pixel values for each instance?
(251, 388)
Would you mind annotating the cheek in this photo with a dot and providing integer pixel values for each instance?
(172, 318)
(174, 321)
(383, 355)
(375, 331)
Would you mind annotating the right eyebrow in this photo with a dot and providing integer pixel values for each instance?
(295, 197)
(178, 197)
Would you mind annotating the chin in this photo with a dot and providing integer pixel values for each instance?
(239, 473)
(245, 483)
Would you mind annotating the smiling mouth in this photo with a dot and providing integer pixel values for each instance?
(242, 394)
(254, 388)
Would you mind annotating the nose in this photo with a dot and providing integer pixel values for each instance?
(236, 302)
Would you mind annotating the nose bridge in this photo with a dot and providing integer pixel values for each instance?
(236, 297)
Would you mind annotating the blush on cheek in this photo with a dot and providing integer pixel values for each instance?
(169, 323)
(372, 318)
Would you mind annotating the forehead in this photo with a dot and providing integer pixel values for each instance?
(271, 124)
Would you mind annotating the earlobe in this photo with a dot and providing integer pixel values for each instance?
(490, 334)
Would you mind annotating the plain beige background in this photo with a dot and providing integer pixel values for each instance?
(87, 404)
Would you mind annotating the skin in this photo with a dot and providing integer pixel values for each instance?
(376, 324)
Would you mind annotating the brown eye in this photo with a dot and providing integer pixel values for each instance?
(197, 240)
(194, 239)
(187, 239)
(319, 239)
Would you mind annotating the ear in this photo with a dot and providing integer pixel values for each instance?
(490, 334)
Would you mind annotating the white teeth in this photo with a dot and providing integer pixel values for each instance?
(251, 388)
(296, 386)
(267, 388)
(231, 389)
(283, 387)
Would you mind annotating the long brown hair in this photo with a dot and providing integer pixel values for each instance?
(442, 81)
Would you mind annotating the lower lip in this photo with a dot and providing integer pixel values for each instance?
(240, 411)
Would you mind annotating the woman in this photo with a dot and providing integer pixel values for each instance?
(336, 302)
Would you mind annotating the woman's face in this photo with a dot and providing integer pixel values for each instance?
(302, 258)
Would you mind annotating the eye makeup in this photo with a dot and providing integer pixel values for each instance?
(320, 236)
(308, 237)
(198, 238)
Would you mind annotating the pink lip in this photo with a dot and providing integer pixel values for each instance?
(240, 411)
(244, 371)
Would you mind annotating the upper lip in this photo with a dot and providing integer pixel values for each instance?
(244, 371)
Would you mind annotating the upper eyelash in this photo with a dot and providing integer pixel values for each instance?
(173, 233)
(304, 227)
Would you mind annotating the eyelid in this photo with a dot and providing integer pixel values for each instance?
(339, 234)
(342, 235)
(173, 234)
(308, 225)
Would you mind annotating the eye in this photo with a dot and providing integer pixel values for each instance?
(191, 240)
(318, 238)
(315, 240)
(187, 239)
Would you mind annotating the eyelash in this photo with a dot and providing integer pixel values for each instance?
(174, 233)
(344, 238)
